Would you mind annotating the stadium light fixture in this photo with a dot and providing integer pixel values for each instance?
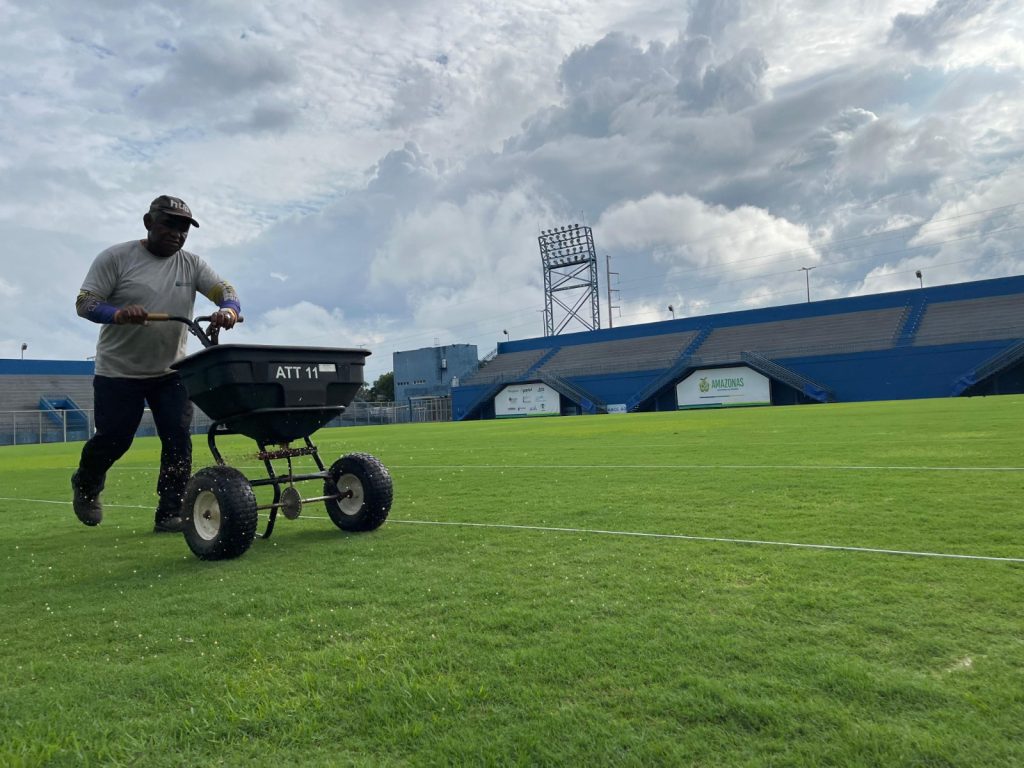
(920, 278)
(24, 346)
(672, 310)
(569, 260)
(506, 334)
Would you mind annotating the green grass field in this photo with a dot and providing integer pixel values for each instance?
(504, 616)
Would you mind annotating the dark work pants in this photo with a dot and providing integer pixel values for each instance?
(119, 405)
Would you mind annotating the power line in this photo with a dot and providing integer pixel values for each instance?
(836, 262)
(497, 321)
(775, 294)
(826, 245)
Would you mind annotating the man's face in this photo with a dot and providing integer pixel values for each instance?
(167, 234)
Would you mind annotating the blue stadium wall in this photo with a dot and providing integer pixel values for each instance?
(897, 373)
(10, 367)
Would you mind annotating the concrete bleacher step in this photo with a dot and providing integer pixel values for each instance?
(846, 332)
(617, 355)
(910, 322)
(992, 317)
(989, 367)
(504, 365)
(789, 377)
(63, 411)
(588, 402)
(677, 370)
(22, 392)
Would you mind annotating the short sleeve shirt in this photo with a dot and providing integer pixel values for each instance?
(129, 274)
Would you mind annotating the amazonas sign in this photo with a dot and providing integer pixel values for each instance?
(723, 387)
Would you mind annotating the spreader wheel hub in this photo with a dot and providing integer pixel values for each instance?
(291, 503)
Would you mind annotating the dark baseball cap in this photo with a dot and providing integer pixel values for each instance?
(172, 206)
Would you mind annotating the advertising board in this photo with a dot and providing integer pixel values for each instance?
(519, 400)
(723, 388)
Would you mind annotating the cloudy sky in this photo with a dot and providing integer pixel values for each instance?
(377, 173)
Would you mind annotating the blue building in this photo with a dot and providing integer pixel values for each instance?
(946, 341)
(429, 372)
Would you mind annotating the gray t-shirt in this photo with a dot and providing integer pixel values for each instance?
(128, 273)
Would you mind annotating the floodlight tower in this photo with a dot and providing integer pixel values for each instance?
(570, 279)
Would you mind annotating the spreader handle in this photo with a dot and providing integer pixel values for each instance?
(164, 317)
(207, 338)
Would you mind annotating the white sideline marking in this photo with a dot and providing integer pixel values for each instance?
(639, 534)
(849, 467)
(66, 503)
(797, 467)
(719, 539)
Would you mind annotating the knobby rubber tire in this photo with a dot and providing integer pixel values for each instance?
(220, 513)
(369, 490)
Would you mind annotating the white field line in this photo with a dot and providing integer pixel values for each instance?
(719, 539)
(62, 502)
(797, 467)
(793, 467)
(637, 534)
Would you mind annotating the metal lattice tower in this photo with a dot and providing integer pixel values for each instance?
(570, 279)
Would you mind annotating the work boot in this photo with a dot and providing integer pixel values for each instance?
(168, 520)
(88, 507)
(169, 525)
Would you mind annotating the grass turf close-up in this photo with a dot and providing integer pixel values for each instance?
(798, 586)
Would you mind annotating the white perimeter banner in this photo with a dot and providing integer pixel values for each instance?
(527, 400)
(723, 387)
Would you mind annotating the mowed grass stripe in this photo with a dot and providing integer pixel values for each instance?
(451, 644)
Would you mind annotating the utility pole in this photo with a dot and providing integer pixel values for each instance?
(807, 277)
(608, 282)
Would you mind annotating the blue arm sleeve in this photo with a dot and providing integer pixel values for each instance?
(92, 307)
(223, 294)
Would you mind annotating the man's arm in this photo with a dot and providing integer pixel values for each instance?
(93, 307)
(220, 292)
(223, 294)
(100, 282)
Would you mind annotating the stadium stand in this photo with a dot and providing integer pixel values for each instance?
(652, 353)
(504, 366)
(848, 332)
(960, 339)
(23, 392)
(44, 400)
(999, 317)
(963, 339)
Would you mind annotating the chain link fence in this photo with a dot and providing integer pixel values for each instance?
(68, 426)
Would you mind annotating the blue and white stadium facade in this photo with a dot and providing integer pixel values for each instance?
(45, 400)
(953, 340)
